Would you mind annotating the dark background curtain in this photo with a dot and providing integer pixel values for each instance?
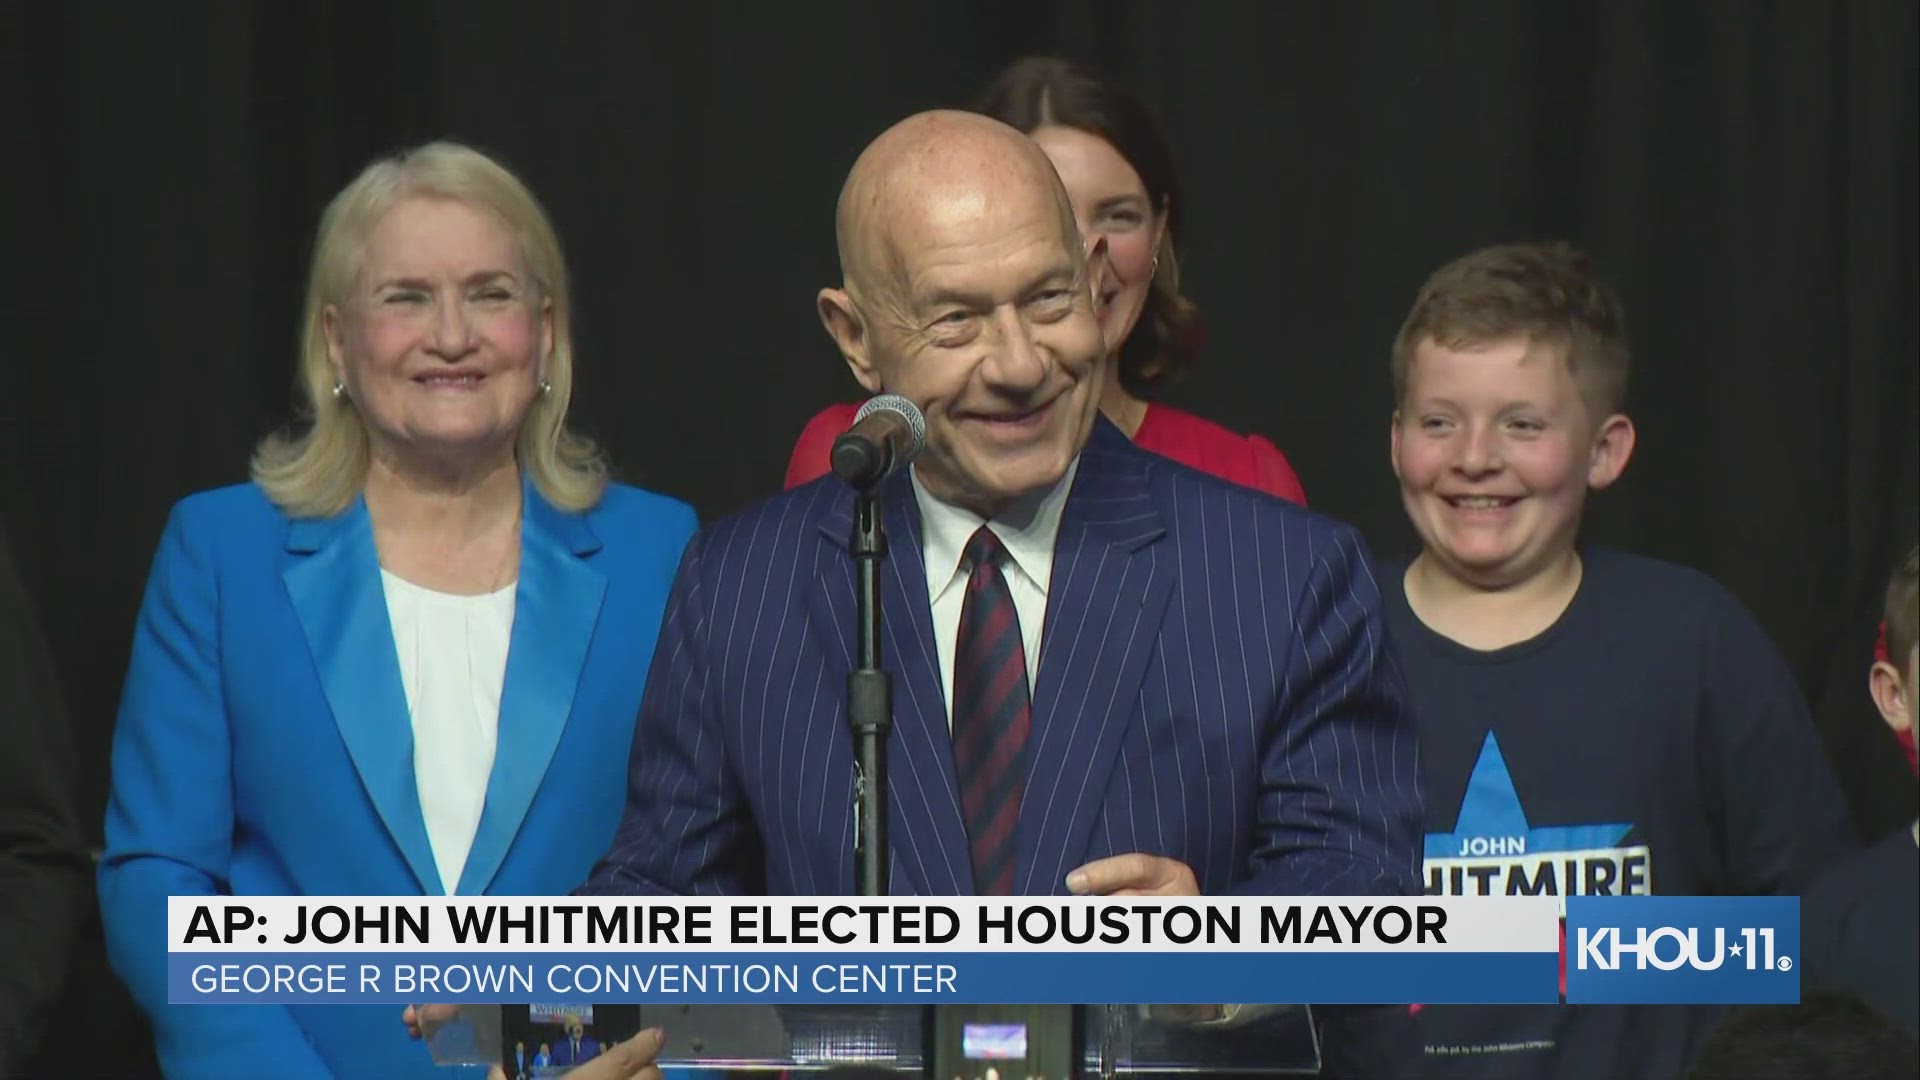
(1743, 171)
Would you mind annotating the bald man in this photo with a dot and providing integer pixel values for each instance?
(1112, 673)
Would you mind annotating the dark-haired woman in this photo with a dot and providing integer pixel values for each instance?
(1118, 171)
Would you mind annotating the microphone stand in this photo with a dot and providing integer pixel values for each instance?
(869, 700)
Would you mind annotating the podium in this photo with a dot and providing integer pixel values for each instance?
(968, 1042)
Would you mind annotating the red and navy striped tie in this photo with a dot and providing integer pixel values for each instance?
(991, 715)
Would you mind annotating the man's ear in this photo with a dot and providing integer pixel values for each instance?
(1100, 269)
(1612, 447)
(1101, 275)
(849, 332)
(1890, 692)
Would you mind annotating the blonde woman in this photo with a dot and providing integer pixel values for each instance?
(406, 657)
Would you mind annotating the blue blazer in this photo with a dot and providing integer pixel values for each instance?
(1214, 685)
(264, 746)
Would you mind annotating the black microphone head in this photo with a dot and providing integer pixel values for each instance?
(861, 459)
(916, 423)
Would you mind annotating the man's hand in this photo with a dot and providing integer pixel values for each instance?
(630, 1060)
(1139, 874)
(1136, 874)
(423, 1020)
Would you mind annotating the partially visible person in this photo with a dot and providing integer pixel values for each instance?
(1591, 721)
(1119, 173)
(1905, 737)
(1827, 1036)
(1870, 759)
(43, 854)
(1860, 923)
(405, 658)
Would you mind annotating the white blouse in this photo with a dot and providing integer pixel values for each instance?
(453, 663)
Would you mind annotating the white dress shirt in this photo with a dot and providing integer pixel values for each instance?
(1028, 529)
(453, 664)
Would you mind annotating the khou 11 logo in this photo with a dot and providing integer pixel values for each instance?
(1683, 950)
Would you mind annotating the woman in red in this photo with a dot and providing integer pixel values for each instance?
(1118, 171)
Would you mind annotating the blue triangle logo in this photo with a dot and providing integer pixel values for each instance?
(1491, 814)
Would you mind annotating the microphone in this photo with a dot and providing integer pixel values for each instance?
(886, 434)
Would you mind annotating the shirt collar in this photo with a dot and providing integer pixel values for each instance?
(1028, 528)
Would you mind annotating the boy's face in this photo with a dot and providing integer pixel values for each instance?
(1495, 450)
(1894, 692)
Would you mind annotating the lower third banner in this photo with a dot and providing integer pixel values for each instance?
(979, 950)
(889, 978)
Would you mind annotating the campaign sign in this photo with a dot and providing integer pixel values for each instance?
(1683, 950)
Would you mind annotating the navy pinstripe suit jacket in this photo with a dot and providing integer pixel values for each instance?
(1214, 685)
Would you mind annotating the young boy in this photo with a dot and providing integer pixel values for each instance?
(1860, 924)
(1591, 722)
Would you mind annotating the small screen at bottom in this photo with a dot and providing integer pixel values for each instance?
(993, 1042)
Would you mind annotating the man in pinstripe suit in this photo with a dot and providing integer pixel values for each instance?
(1167, 684)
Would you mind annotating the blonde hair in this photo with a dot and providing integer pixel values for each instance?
(318, 472)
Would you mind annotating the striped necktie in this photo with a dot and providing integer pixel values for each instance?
(991, 715)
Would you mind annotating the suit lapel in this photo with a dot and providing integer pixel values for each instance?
(555, 609)
(1107, 596)
(924, 799)
(334, 584)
